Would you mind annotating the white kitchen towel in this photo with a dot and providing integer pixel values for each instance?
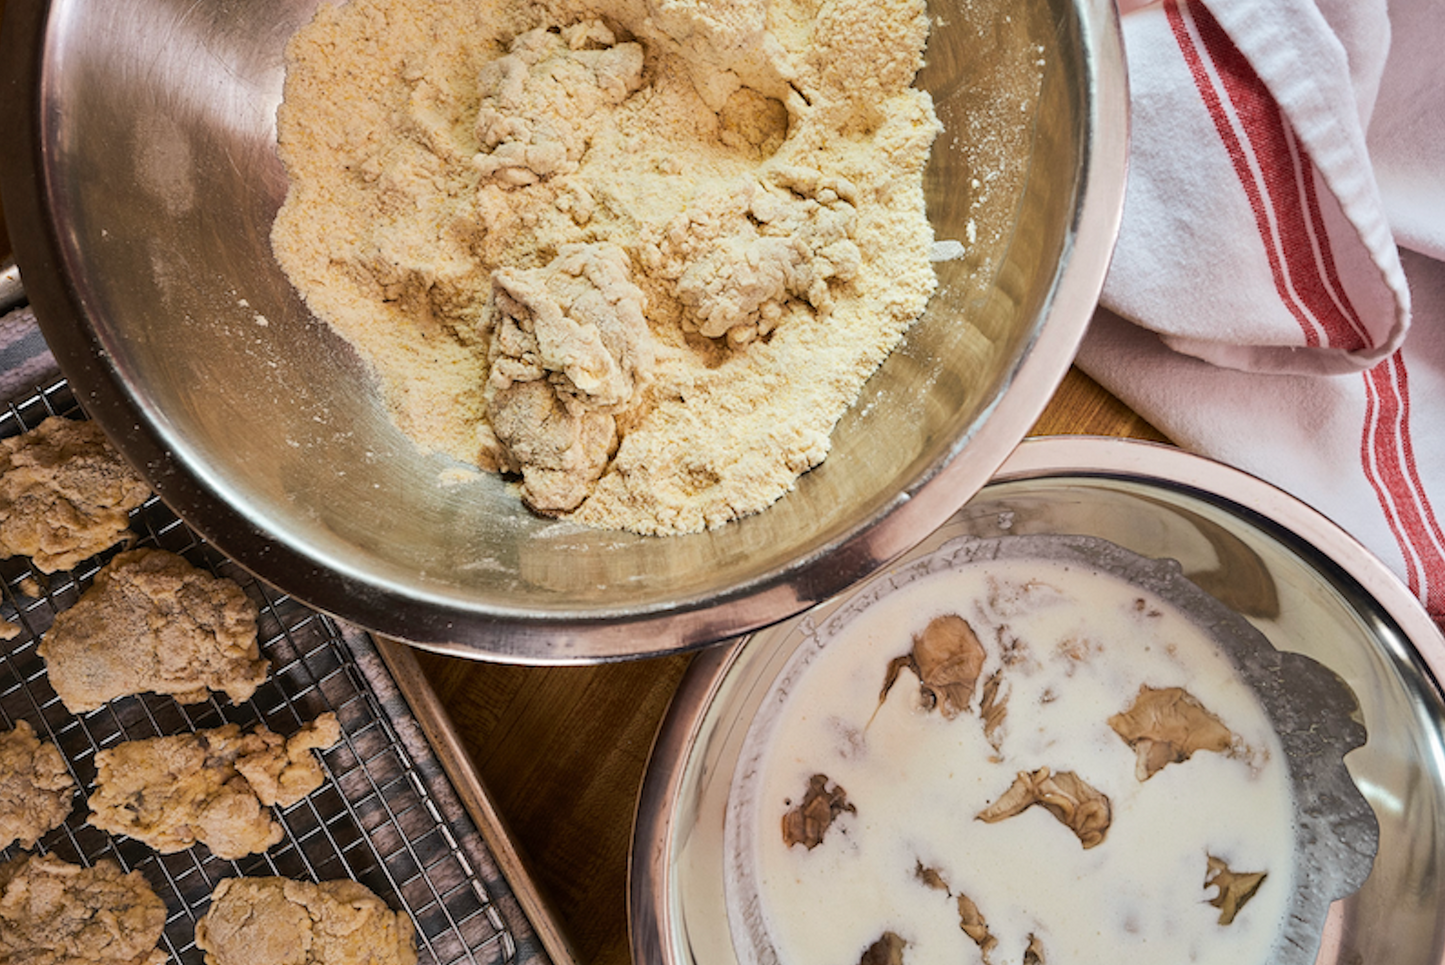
(1277, 296)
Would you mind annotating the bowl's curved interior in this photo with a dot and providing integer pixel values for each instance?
(142, 195)
(1298, 579)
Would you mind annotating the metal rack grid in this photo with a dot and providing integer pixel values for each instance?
(374, 819)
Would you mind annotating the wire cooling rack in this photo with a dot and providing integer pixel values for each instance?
(374, 820)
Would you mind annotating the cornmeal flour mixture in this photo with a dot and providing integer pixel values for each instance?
(642, 254)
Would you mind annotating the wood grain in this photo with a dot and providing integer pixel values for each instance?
(563, 750)
(1082, 407)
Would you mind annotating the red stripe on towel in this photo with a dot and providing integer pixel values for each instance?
(1277, 178)
(1388, 457)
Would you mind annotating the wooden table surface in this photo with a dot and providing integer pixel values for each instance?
(562, 751)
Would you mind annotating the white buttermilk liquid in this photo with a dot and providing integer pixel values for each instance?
(917, 780)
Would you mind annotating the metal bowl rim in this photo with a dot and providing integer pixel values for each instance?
(1037, 459)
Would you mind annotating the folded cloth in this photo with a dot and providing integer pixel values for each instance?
(1277, 295)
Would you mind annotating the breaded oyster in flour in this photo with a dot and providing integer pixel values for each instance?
(211, 787)
(36, 788)
(261, 921)
(65, 494)
(56, 913)
(642, 255)
(153, 623)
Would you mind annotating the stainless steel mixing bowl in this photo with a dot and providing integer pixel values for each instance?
(140, 181)
(1297, 577)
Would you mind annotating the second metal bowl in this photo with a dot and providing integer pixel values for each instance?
(1299, 579)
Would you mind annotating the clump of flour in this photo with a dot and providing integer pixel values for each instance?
(641, 254)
